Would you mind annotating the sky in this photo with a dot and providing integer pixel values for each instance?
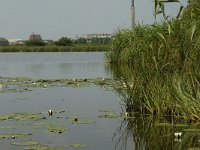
(54, 19)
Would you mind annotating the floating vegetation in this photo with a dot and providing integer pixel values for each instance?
(25, 143)
(74, 118)
(22, 116)
(105, 111)
(109, 115)
(56, 128)
(76, 145)
(43, 147)
(83, 121)
(59, 111)
(14, 135)
(24, 84)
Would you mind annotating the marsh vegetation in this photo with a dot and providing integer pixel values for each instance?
(162, 60)
(56, 48)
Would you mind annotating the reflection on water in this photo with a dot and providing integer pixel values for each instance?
(144, 132)
(54, 65)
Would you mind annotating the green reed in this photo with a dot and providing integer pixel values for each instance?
(164, 61)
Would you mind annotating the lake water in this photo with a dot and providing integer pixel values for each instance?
(75, 85)
(54, 65)
(83, 102)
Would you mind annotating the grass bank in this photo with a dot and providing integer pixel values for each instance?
(164, 62)
(53, 48)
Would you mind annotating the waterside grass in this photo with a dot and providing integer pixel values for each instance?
(163, 63)
(53, 48)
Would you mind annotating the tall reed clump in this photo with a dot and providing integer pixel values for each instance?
(164, 58)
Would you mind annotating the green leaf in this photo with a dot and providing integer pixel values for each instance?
(194, 27)
(162, 37)
(179, 13)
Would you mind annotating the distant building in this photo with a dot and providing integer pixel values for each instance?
(48, 41)
(3, 42)
(99, 36)
(16, 41)
(35, 37)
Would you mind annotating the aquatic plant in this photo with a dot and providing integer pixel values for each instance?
(76, 145)
(163, 63)
(25, 143)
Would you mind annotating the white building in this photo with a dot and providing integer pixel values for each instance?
(99, 36)
(16, 41)
(3, 42)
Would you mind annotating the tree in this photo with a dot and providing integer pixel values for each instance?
(81, 41)
(64, 41)
(35, 43)
(101, 40)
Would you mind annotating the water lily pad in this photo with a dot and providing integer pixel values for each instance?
(22, 116)
(109, 116)
(128, 117)
(43, 147)
(14, 135)
(105, 110)
(83, 122)
(76, 145)
(27, 84)
(25, 143)
(29, 117)
(56, 128)
(59, 111)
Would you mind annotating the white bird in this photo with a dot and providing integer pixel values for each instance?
(126, 114)
(76, 119)
(178, 134)
(50, 112)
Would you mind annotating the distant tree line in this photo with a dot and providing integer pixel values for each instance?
(65, 41)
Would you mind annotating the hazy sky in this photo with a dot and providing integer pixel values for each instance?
(56, 18)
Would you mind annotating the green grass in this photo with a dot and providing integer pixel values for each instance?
(53, 48)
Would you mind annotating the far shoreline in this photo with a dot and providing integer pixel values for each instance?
(54, 48)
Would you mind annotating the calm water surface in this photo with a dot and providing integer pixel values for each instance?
(84, 102)
(54, 65)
